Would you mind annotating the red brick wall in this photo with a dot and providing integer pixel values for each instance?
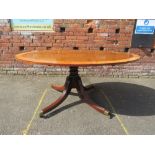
(78, 34)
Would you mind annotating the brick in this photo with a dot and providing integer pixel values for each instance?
(76, 35)
(59, 37)
(34, 44)
(58, 45)
(7, 57)
(21, 72)
(28, 48)
(5, 44)
(58, 48)
(26, 40)
(47, 44)
(83, 33)
(5, 39)
(76, 29)
(3, 72)
(40, 48)
(15, 40)
(12, 72)
(13, 50)
(20, 44)
(82, 37)
(7, 29)
(59, 41)
(48, 40)
(71, 37)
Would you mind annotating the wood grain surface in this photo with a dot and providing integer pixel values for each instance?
(75, 58)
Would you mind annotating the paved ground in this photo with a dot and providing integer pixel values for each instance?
(131, 100)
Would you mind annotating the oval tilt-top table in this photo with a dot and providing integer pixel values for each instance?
(75, 59)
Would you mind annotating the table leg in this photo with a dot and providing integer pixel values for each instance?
(58, 88)
(98, 108)
(58, 101)
(54, 104)
(74, 81)
(83, 94)
(89, 87)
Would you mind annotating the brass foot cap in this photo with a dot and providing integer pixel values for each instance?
(41, 115)
(106, 113)
(111, 115)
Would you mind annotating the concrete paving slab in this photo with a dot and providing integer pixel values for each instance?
(18, 98)
(132, 99)
(74, 117)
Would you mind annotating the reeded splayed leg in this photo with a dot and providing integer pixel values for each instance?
(83, 94)
(58, 101)
(74, 81)
(58, 88)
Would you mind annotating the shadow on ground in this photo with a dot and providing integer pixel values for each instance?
(127, 99)
(55, 112)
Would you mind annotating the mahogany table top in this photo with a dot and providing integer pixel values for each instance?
(75, 58)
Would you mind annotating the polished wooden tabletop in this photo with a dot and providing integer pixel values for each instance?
(75, 58)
